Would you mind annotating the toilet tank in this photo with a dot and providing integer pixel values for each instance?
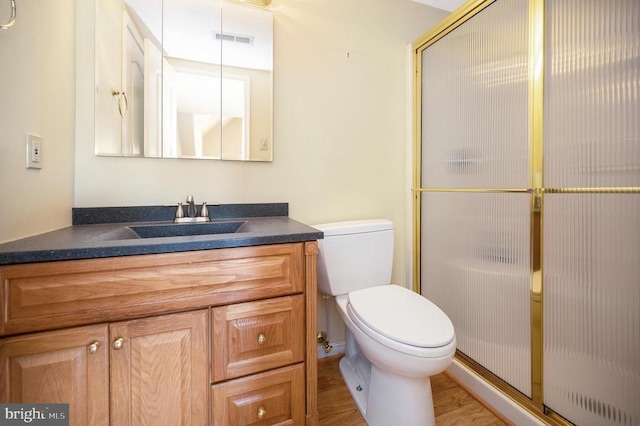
(354, 255)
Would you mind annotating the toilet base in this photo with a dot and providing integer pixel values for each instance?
(358, 387)
(387, 399)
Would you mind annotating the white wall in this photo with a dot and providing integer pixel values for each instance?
(339, 136)
(37, 96)
(340, 124)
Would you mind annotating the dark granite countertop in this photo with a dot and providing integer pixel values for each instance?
(106, 232)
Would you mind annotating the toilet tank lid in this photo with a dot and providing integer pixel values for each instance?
(402, 315)
(354, 227)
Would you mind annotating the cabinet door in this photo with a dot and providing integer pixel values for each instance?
(159, 370)
(256, 336)
(272, 398)
(65, 366)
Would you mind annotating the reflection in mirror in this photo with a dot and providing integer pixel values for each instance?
(192, 87)
(128, 60)
(247, 69)
(190, 79)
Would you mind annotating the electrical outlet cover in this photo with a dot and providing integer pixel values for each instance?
(34, 151)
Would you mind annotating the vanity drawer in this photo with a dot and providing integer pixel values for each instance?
(256, 336)
(274, 397)
(50, 295)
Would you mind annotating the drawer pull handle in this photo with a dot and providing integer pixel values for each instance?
(261, 340)
(93, 348)
(261, 413)
(117, 344)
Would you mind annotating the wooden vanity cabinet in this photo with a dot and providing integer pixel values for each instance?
(165, 339)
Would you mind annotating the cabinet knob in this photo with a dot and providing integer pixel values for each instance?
(117, 344)
(261, 338)
(261, 413)
(93, 348)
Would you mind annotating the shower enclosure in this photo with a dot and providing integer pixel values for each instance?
(527, 199)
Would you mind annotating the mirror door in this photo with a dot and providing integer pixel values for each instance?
(184, 79)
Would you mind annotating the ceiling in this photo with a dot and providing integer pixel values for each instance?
(449, 5)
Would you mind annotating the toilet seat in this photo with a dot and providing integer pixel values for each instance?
(418, 327)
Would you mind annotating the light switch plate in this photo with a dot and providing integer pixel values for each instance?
(34, 151)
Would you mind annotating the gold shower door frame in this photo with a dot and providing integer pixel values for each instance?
(536, 189)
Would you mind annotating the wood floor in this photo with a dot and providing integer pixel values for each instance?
(453, 405)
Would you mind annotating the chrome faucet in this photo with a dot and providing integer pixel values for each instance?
(192, 212)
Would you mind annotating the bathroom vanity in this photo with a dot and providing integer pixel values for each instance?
(209, 329)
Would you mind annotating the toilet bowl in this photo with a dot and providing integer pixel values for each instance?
(396, 339)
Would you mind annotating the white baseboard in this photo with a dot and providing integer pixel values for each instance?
(338, 348)
(492, 396)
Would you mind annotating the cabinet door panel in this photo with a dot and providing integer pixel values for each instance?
(159, 370)
(256, 336)
(272, 398)
(65, 366)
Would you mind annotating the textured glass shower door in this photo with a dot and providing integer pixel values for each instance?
(592, 308)
(475, 204)
(592, 211)
(475, 267)
(537, 265)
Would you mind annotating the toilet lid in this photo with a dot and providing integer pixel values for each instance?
(402, 315)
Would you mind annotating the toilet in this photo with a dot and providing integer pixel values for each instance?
(396, 339)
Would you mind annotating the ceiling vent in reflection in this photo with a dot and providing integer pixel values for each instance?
(235, 38)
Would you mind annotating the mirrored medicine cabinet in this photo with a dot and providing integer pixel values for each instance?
(183, 79)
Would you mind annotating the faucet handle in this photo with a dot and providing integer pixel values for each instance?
(204, 212)
(179, 211)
